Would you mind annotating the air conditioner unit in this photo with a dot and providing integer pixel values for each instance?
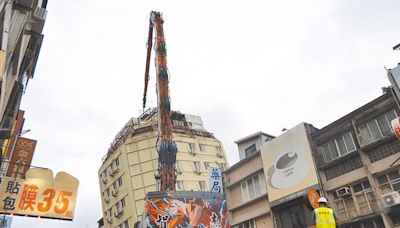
(198, 171)
(118, 212)
(109, 219)
(40, 13)
(111, 171)
(115, 168)
(107, 199)
(104, 180)
(114, 191)
(178, 169)
(343, 192)
(391, 199)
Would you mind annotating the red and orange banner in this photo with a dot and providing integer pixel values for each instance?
(21, 158)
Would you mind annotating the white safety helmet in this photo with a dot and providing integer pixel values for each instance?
(322, 200)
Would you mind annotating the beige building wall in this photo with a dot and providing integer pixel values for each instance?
(138, 162)
(246, 193)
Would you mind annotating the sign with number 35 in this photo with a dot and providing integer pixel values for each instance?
(39, 195)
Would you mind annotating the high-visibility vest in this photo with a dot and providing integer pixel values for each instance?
(324, 218)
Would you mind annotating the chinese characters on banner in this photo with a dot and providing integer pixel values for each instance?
(21, 158)
(39, 194)
(189, 209)
(215, 180)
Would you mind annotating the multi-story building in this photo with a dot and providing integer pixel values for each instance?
(355, 158)
(20, 39)
(129, 168)
(245, 186)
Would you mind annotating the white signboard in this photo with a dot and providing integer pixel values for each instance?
(39, 194)
(215, 180)
(288, 166)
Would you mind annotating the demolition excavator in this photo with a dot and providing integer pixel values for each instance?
(166, 207)
(166, 147)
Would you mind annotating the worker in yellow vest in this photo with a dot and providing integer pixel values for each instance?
(324, 217)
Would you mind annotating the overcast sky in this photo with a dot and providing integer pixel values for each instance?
(243, 66)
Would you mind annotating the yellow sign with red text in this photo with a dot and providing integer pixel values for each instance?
(39, 195)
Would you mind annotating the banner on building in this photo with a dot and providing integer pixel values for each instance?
(185, 209)
(215, 180)
(15, 130)
(39, 195)
(288, 166)
(21, 158)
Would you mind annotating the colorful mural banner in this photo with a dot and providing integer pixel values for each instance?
(186, 211)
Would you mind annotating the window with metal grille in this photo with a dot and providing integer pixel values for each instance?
(346, 208)
(389, 182)
(384, 151)
(365, 197)
(377, 128)
(250, 150)
(253, 187)
(248, 224)
(337, 147)
(343, 168)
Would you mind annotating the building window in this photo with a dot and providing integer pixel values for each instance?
(389, 182)
(202, 186)
(365, 197)
(116, 161)
(250, 150)
(202, 147)
(196, 167)
(222, 166)
(377, 128)
(345, 207)
(206, 165)
(248, 224)
(121, 203)
(178, 167)
(192, 148)
(125, 224)
(119, 181)
(252, 187)
(218, 151)
(180, 186)
(338, 147)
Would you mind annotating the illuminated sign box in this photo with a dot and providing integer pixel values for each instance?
(39, 195)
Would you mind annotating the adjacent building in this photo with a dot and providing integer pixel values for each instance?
(354, 162)
(128, 170)
(356, 157)
(246, 191)
(21, 37)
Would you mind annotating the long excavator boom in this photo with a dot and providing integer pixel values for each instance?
(166, 147)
